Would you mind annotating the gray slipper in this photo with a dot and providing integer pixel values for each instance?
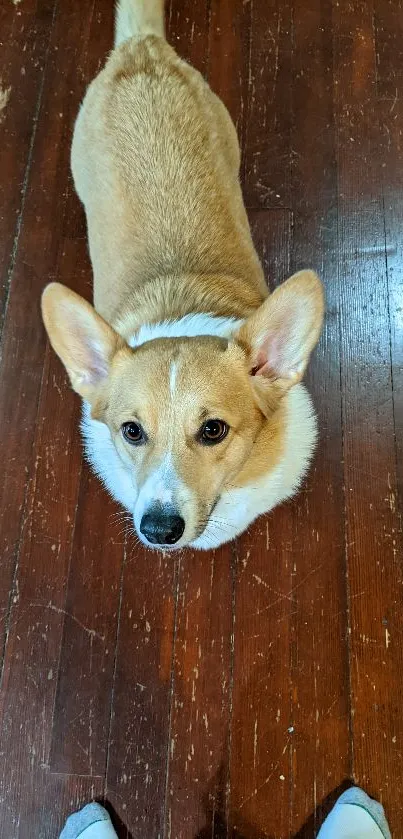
(355, 814)
(91, 814)
(357, 796)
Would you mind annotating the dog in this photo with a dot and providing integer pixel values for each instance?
(194, 414)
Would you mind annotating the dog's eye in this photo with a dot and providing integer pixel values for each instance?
(213, 431)
(134, 433)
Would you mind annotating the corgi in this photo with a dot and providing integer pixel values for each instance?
(194, 417)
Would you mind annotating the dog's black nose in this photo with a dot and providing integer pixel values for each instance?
(162, 527)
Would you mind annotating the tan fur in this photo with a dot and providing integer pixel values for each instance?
(155, 160)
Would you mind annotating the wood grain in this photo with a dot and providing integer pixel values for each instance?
(87, 657)
(38, 606)
(321, 758)
(373, 522)
(142, 693)
(201, 700)
(49, 799)
(272, 237)
(229, 51)
(260, 730)
(188, 31)
(39, 253)
(389, 80)
(267, 134)
(25, 37)
(260, 738)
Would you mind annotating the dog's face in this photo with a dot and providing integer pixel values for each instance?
(183, 413)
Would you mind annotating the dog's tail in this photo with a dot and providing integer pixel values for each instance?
(138, 18)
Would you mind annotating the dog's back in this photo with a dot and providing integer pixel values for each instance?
(155, 161)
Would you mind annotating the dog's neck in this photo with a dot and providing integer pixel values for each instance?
(189, 326)
(198, 302)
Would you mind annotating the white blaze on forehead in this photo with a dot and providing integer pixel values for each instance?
(172, 377)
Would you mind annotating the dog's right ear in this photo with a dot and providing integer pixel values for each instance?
(281, 334)
(82, 339)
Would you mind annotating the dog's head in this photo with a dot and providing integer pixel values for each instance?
(184, 413)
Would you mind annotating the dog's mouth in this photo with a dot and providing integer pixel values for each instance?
(206, 520)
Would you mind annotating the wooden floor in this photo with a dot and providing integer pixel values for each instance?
(229, 694)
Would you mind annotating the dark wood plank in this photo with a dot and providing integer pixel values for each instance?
(200, 710)
(389, 80)
(139, 736)
(260, 736)
(25, 33)
(39, 252)
(373, 522)
(272, 237)
(51, 799)
(187, 29)
(38, 608)
(267, 158)
(86, 668)
(260, 730)
(229, 47)
(321, 758)
(389, 31)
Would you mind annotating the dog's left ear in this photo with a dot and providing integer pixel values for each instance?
(281, 334)
(82, 339)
